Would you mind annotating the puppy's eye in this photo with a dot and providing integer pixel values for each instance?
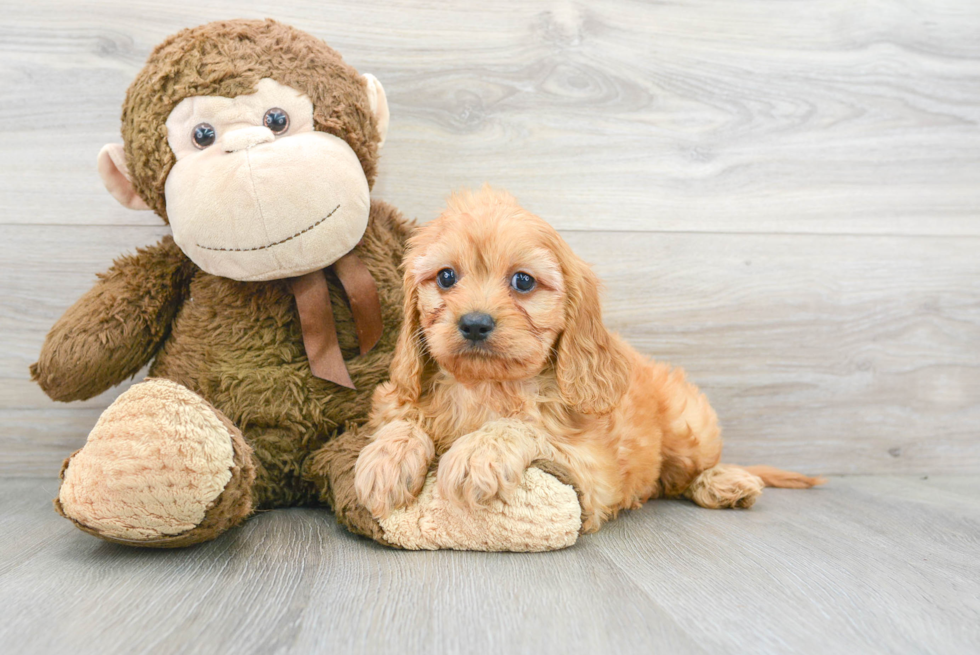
(276, 120)
(522, 282)
(203, 136)
(446, 278)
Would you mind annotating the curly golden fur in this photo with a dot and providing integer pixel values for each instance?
(549, 382)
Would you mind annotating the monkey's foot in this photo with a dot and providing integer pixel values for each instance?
(542, 514)
(161, 468)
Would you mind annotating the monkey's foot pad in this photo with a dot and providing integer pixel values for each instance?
(162, 467)
(544, 514)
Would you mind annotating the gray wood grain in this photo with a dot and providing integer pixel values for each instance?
(865, 564)
(758, 115)
(781, 197)
(829, 354)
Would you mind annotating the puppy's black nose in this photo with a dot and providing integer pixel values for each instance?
(476, 326)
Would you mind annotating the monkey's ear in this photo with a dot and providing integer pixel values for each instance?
(379, 105)
(115, 176)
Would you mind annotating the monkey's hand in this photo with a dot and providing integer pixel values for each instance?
(115, 328)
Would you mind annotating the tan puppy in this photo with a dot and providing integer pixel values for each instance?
(503, 359)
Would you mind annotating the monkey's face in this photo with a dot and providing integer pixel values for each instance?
(258, 194)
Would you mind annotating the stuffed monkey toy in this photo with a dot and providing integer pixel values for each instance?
(269, 316)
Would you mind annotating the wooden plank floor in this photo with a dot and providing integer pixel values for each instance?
(865, 564)
(781, 197)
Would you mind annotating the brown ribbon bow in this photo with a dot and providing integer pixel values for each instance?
(316, 316)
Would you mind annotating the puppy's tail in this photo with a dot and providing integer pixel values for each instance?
(774, 477)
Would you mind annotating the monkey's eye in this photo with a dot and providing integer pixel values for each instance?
(276, 120)
(446, 278)
(203, 136)
(522, 282)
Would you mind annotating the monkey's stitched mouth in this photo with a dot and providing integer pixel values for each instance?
(276, 243)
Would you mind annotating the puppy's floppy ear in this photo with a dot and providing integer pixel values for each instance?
(409, 360)
(592, 366)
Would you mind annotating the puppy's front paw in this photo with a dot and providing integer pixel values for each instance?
(391, 470)
(484, 466)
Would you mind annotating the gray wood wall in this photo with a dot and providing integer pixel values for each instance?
(783, 197)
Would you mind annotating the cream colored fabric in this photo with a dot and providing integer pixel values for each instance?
(379, 105)
(261, 206)
(115, 176)
(155, 461)
(544, 514)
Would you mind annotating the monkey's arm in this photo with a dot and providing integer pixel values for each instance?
(115, 328)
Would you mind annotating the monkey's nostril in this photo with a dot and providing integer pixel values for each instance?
(476, 326)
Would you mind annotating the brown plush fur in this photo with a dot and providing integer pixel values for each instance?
(550, 382)
(236, 344)
(335, 462)
(243, 352)
(113, 330)
(228, 58)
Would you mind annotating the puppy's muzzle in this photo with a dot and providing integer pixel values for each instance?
(476, 326)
